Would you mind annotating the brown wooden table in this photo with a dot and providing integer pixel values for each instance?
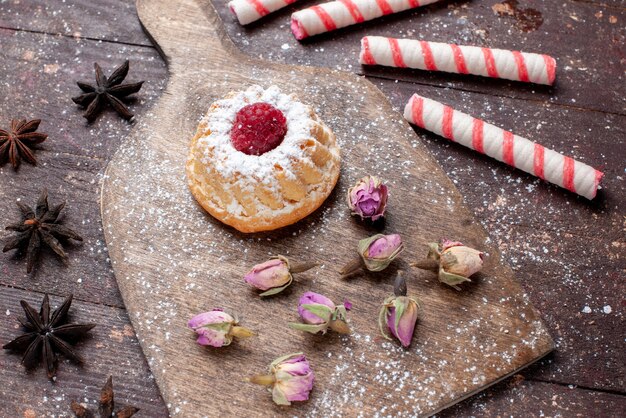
(568, 253)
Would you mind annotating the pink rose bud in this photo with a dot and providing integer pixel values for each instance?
(318, 301)
(320, 313)
(274, 275)
(217, 328)
(401, 318)
(398, 314)
(380, 250)
(454, 262)
(290, 379)
(368, 198)
(376, 253)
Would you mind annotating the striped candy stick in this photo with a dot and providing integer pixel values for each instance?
(503, 146)
(451, 58)
(248, 11)
(333, 15)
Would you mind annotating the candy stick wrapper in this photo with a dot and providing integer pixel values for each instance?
(333, 15)
(503, 146)
(248, 11)
(451, 58)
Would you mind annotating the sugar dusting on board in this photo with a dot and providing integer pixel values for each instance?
(362, 371)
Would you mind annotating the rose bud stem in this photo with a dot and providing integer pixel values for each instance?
(352, 267)
(339, 326)
(427, 264)
(301, 267)
(262, 379)
(241, 332)
(399, 286)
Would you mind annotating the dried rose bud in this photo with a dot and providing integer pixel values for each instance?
(453, 262)
(368, 198)
(290, 379)
(376, 253)
(274, 275)
(458, 259)
(380, 250)
(320, 313)
(217, 328)
(398, 314)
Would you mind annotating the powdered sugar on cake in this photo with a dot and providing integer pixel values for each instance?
(234, 164)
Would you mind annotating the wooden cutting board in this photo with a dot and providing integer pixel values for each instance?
(172, 260)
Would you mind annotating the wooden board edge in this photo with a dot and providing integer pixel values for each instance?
(495, 382)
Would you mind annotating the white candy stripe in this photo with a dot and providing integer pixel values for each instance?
(503, 146)
(451, 58)
(248, 11)
(338, 14)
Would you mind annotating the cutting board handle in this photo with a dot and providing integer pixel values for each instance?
(202, 36)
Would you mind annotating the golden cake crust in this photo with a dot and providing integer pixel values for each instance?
(270, 191)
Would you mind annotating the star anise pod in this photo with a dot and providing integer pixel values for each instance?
(48, 334)
(17, 143)
(40, 225)
(106, 407)
(107, 90)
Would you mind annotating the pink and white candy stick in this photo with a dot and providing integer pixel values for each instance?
(248, 11)
(333, 15)
(503, 146)
(451, 58)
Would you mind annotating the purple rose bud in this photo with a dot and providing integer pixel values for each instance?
(454, 262)
(347, 304)
(310, 298)
(290, 379)
(398, 314)
(368, 198)
(384, 247)
(402, 325)
(320, 313)
(380, 250)
(274, 275)
(217, 328)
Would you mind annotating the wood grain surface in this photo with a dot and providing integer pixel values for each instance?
(568, 254)
(172, 260)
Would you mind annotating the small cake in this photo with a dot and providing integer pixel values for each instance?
(261, 160)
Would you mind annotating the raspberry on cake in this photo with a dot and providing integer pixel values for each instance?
(261, 160)
(258, 128)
